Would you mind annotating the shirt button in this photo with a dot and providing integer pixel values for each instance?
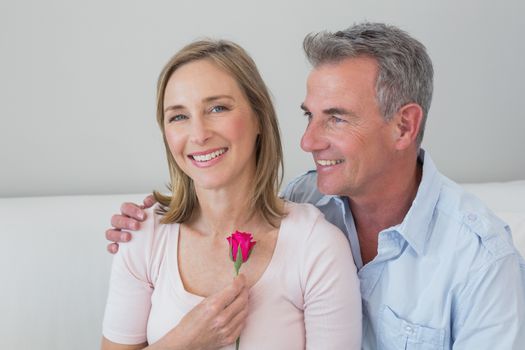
(472, 217)
(409, 329)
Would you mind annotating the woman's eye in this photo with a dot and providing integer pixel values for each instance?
(218, 109)
(176, 118)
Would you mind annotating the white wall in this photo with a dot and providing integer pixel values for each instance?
(77, 81)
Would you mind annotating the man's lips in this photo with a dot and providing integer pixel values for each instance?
(328, 162)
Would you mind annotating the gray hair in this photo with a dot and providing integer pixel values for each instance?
(405, 69)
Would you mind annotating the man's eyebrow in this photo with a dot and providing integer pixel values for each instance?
(206, 100)
(338, 111)
(331, 111)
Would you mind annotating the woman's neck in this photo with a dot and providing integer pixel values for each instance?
(224, 211)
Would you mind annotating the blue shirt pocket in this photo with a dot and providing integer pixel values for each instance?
(396, 333)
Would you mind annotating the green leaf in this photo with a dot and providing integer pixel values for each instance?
(238, 260)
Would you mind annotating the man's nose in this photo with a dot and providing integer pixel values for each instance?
(313, 138)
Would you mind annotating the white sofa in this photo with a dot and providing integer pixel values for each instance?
(55, 269)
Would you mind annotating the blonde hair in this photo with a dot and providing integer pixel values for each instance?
(180, 205)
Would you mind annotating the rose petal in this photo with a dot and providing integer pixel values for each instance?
(234, 245)
(244, 240)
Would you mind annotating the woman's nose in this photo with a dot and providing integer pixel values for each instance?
(200, 131)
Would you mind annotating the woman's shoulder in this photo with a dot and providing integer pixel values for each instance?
(301, 211)
(151, 229)
(148, 246)
(149, 240)
(307, 220)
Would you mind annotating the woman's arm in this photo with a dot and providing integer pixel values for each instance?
(216, 322)
(109, 345)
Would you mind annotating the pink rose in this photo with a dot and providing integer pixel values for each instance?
(242, 240)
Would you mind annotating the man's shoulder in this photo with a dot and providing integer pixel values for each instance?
(303, 189)
(472, 226)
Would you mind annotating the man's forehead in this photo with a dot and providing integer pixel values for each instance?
(347, 67)
(353, 77)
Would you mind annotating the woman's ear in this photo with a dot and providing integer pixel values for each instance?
(407, 122)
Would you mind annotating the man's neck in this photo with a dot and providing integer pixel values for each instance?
(375, 213)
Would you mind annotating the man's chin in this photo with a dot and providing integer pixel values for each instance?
(326, 188)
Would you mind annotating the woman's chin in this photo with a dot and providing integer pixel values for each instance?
(211, 184)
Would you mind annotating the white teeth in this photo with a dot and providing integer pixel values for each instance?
(209, 156)
(324, 162)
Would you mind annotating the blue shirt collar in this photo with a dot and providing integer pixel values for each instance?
(326, 199)
(415, 227)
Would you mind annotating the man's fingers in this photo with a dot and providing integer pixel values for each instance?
(117, 235)
(113, 248)
(133, 211)
(122, 222)
(149, 201)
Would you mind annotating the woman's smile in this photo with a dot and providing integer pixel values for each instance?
(207, 158)
(210, 127)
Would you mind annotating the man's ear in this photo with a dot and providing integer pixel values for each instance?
(407, 122)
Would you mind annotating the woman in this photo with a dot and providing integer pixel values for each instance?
(224, 155)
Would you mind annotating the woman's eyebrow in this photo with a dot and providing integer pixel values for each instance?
(172, 108)
(217, 97)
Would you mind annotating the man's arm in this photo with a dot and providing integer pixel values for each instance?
(490, 310)
(129, 219)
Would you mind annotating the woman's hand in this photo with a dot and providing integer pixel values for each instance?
(214, 323)
(129, 219)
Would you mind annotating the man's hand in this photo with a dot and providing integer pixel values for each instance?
(214, 323)
(129, 219)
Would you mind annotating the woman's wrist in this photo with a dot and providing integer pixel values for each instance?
(174, 340)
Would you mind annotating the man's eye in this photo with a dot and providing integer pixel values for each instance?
(176, 118)
(308, 115)
(337, 119)
(218, 109)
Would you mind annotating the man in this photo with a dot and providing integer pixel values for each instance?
(438, 270)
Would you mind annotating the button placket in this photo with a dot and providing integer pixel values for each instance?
(409, 330)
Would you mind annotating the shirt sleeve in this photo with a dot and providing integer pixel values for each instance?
(288, 192)
(332, 301)
(130, 288)
(491, 308)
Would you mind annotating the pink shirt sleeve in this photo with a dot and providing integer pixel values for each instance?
(129, 298)
(332, 300)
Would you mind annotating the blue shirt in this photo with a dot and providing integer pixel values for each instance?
(447, 277)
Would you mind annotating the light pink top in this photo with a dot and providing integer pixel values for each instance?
(307, 298)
